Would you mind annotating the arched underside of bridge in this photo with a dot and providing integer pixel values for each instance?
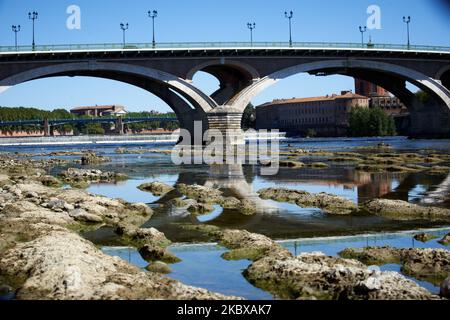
(430, 118)
(445, 78)
(188, 103)
(233, 77)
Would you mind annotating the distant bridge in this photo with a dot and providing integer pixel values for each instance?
(119, 122)
(244, 70)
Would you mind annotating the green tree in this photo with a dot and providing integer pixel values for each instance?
(249, 118)
(371, 122)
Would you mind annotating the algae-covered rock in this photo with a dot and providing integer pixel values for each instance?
(156, 188)
(152, 253)
(329, 203)
(402, 210)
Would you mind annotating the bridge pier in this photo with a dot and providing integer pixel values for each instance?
(120, 127)
(47, 129)
(227, 120)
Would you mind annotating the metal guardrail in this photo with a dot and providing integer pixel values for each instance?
(54, 122)
(220, 45)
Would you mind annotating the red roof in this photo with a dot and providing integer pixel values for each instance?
(95, 108)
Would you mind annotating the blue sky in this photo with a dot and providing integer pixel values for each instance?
(205, 20)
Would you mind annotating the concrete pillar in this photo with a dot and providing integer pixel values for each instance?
(120, 127)
(47, 132)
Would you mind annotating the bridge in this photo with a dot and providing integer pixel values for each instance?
(244, 70)
(49, 124)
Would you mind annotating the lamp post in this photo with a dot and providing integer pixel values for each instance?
(153, 14)
(362, 30)
(407, 20)
(16, 30)
(289, 16)
(251, 26)
(124, 28)
(33, 16)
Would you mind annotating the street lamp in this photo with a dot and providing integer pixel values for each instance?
(362, 30)
(251, 26)
(153, 14)
(124, 27)
(407, 20)
(16, 30)
(33, 16)
(289, 16)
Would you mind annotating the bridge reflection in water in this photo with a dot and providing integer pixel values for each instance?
(281, 220)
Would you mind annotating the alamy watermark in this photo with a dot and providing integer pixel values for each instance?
(217, 147)
(73, 21)
(374, 19)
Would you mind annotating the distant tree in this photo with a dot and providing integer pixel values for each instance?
(366, 122)
(422, 96)
(249, 118)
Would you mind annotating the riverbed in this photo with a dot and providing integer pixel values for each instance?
(298, 229)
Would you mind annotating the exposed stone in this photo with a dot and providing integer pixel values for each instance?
(152, 253)
(83, 176)
(156, 188)
(82, 215)
(402, 210)
(200, 208)
(445, 240)
(178, 203)
(328, 203)
(50, 181)
(424, 237)
(428, 264)
(92, 158)
(316, 276)
(200, 193)
(158, 267)
(61, 265)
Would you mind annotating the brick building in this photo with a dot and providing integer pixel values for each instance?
(327, 115)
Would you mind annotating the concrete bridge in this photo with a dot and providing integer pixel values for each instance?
(244, 70)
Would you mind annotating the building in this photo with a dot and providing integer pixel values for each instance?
(327, 116)
(380, 98)
(99, 111)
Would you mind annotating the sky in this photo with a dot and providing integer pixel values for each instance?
(206, 20)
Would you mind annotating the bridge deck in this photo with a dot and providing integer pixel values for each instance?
(177, 46)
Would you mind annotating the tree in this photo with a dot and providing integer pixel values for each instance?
(371, 122)
(248, 118)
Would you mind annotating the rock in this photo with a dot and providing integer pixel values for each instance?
(445, 240)
(425, 264)
(158, 267)
(424, 237)
(250, 246)
(178, 203)
(200, 208)
(50, 181)
(156, 188)
(328, 203)
(402, 210)
(63, 266)
(80, 177)
(82, 215)
(290, 164)
(151, 236)
(316, 276)
(200, 193)
(318, 165)
(247, 207)
(445, 288)
(230, 203)
(92, 158)
(152, 253)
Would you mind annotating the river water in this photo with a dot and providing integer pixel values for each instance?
(312, 230)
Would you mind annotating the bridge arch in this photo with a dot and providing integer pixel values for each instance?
(444, 76)
(116, 71)
(242, 99)
(233, 76)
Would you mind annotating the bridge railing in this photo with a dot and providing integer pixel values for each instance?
(224, 45)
